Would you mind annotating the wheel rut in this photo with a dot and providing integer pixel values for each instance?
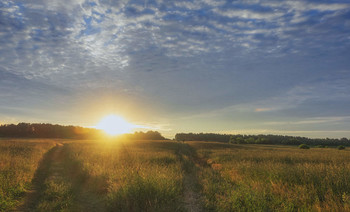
(61, 184)
(49, 166)
(191, 164)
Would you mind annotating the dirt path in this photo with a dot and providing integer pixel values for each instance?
(48, 166)
(61, 184)
(193, 199)
(55, 168)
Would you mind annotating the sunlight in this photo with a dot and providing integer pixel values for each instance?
(115, 125)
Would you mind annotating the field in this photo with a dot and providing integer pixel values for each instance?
(274, 178)
(122, 175)
(19, 160)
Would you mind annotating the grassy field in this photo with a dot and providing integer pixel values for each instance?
(19, 160)
(274, 178)
(171, 176)
(132, 175)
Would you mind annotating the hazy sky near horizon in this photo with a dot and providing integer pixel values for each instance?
(280, 67)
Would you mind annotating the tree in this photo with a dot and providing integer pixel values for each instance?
(341, 147)
(304, 146)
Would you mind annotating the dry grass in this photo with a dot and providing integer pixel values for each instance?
(133, 175)
(275, 178)
(19, 160)
(159, 176)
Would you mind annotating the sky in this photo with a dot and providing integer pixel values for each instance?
(250, 67)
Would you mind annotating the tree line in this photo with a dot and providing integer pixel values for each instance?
(43, 130)
(149, 135)
(261, 139)
(202, 137)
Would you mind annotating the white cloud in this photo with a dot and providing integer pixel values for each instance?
(247, 14)
(314, 120)
(70, 49)
(195, 5)
(214, 3)
(204, 59)
(114, 33)
(304, 6)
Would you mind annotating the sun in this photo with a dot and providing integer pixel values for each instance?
(115, 125)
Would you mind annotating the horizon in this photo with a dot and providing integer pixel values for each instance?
(172, 136)
(211, 66)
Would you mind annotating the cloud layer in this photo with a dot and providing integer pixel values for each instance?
(283, 59)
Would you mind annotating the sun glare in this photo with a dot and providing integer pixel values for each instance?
(115, 125)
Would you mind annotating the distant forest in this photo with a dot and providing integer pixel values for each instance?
(28, 130)
(149, 135)
(261, 139)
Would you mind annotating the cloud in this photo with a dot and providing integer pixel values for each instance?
(195, 5)
(319, 102)
(304, 6)
(104, 34)
(264, 109)
(307, 133)
(315, 120)
(23, 97)
(193, 58)
(248, 14)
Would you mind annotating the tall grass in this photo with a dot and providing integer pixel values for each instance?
(273, 178)
(133, 175)
(126, 175)
(18, 161)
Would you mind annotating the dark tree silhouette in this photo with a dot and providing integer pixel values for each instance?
(149, 135)
(27, 130)
(260, 139)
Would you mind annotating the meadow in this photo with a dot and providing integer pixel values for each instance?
(274, 178)
(19, 160)
(131, 175)
(124, 175)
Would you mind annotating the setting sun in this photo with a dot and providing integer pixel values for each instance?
(115, 125)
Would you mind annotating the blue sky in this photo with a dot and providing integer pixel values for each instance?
(279, 67)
